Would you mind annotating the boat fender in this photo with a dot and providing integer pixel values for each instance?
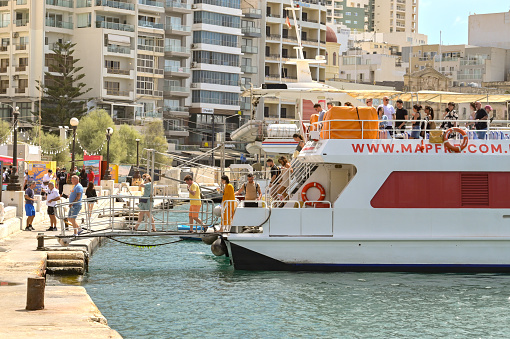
(217, 211)
(455, 148)
(218, 247)
(208, 239)
(310, 185)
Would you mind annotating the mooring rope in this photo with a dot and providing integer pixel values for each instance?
(144, 245)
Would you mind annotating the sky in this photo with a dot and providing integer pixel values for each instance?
(451, 17)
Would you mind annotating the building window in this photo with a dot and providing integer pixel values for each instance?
(213, 97)
(215, 58)
(214, 38)
(25, 108)
(84, 20)
(216, 19)
(144, 85)
(210, 77)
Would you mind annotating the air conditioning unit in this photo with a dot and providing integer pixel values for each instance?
(15, 35)
(194, 6)
(193, 46)
(15, 77)
(193, 64)
(194, 85)
(342, 72)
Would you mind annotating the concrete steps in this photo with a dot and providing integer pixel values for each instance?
(66, 262)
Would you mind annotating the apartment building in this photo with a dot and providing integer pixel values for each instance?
(490, 30)
(354, 14)
(121, 45)
(216, 67)
(280, 43)
(463, 64)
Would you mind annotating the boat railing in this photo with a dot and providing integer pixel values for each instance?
(384, 129)
(121, 212)
(285, 204)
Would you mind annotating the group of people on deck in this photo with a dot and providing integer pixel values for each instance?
(422, 123)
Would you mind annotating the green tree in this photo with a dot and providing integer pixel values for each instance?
(62, 87)
(57, 148)
(128, 136)
(5, 131)
(154, 138)
(91, 134)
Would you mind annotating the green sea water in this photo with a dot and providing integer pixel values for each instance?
(183, 291)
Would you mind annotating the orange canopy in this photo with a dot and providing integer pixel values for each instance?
(342, 122)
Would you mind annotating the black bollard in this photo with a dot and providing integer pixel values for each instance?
(35, 293)
(40, 241)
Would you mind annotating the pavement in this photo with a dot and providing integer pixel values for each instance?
(69, 312)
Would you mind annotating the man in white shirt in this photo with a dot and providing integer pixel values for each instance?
(389, 110)
(45, 181)
(51, 201)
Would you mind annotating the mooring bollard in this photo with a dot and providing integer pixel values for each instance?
(40, 241)
(35, 293)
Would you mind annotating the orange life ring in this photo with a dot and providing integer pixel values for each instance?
(316, 185)
(456, 148)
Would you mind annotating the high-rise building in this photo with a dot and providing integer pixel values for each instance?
(132, 71)
(383, 16)
(216, 67)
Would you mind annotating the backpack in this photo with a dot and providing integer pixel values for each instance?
(257, 187)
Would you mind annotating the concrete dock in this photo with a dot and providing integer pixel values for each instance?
(69, 311)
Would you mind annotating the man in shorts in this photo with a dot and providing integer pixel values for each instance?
(29, 205)
(51, 201)
(194, 204)
(75, 203)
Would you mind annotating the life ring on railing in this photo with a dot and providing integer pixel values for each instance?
(310, 185)
(455, 148)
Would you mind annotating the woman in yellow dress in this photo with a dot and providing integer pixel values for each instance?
(228, 207)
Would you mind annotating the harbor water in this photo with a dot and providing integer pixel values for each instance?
(183, 291)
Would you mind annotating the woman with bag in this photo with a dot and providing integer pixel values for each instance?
(145, 203)
(227, 203)
(416, 120)
(92, 196)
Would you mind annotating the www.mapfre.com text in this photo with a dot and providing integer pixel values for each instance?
(427, 148)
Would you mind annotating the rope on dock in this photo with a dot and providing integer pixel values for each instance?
(144, 245)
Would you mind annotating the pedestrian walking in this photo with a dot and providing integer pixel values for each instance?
(75, 203)
(145, 203)
(194, 204)
(61, 180)
(91, 197)
(84, 180)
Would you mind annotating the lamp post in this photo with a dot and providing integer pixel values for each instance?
(74, 124)
(13, 181)
(107, 175)
(136, 176)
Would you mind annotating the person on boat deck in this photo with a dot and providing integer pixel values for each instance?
(369, 102)
(301, 143)
(416, 120)
(383, 119)
(389, 111)
(349, 104)
(227, 203)
(285, 181)
(428, 122)
(401, 117)
(252, 191)
(450, 117)
(330, 105)
(480, 121)
(275, 172)
(470, 124)
(318, 109)
(145, 203)
(194, 204)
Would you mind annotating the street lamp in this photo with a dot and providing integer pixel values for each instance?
(74, 124)
(136, 176)
(13, 181)
(107, 175)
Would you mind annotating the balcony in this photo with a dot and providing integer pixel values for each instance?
(119, 49)
(177, 71)
(20, 90)
(273, 37)
(176, 110)
(3, 69)
(118, 93)
(22, 22)
(249, 69)
(176, 131)
(277, 16)
(115, 4)
(4, 48)
(59, 24)
(21, 2)
(177, 51)
(249, 49)
(178, 29)
(5, 23)
(154, 71)
(4, 3)
(253, 32)
(149, 92)
(176, 91)
(115, 26)
(60, 3)
(22, 68)
(21, 47)
(3, 90)
(151, 3)
(117, 71)
(178, 6)
(148, 24)
(252, 13)
(156, 49)
(83, 3)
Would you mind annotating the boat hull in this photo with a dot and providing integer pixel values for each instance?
(459, 256)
